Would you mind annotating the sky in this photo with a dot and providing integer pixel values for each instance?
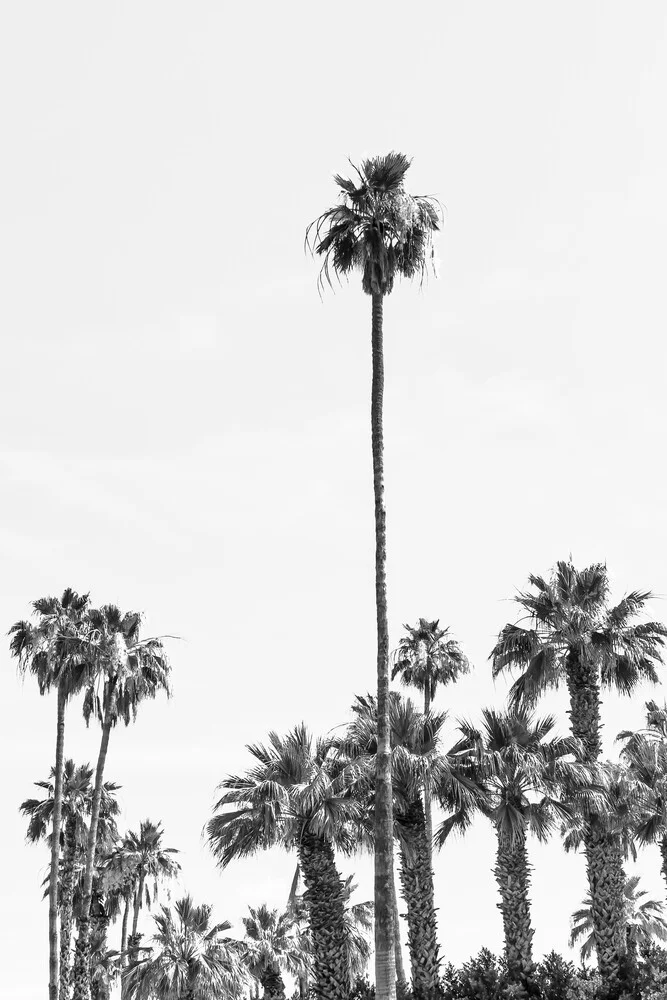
(184, 422)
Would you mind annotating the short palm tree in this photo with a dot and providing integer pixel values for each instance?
(645, 755)
(189, 959)
(419, 764)
(575, 637)
(274, 944)
(377, 228)
(124, 670)
(643, 920)
(427, 658)
(151, 863)
(521, 774)
(297, 796)
(45, 650)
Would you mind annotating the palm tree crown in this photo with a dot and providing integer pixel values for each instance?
(377, 228)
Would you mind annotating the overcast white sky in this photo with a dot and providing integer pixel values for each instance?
(185, 425)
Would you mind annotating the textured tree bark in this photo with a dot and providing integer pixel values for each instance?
(604, 860)
(417, 881)
(401, 982)
(55, 843)
(273, 984)
(138, 903)
(512, 873)
(385, 966)
(324, 895)
(82, 951)
(663, 855)
(427, 796)
(66, 903)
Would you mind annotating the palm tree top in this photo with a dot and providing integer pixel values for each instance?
(49, 648)
(377, 228)
(428, 656)
(568, 615)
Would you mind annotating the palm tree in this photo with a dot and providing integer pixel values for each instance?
(189, 958)
(577, 638)
(126, 670)
(151, 863)
(380, 230)
(45, 650)
(76, 806)
(645, 755)
(426, 658)
(297, 796)
(643, 919)
(274, 944)
(419, 765)
(521, 773)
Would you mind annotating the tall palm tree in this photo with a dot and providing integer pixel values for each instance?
(297, 796)
(383, 232)
(645, 755)
(126, 670)
(189, 958)
(76, 806)
(575, 637)
(151, 862)
(274, 944)
(426, 658)
(521, 773)
(643, 919)
(45, 649)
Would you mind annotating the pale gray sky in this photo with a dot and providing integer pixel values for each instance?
(185, 425)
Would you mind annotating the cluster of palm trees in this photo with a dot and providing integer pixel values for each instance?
(98, 654)
(317, 795)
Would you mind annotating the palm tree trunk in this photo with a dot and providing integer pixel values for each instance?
(385, 968)
(326, 917)
(427, 797)
(138, 903)
(55, 843)
(123, 931)
(512, 873)
(66, 904)
(401, 983)
(417, 882)
(82, 951)
(604, 861)
(606, 879)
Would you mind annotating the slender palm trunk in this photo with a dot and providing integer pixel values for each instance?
(66, 904)
(401, 983)
(512, 873)
(427, 796)
(82, 951)
(138, 903)
(385, 967)
(123, 930)
(326, 917)
(55, 843)
(604, 860)
(417, 882)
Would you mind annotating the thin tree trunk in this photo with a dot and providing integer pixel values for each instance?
(123, 931)
(512, 873)
(82, 951)
(385, 967)
(55, 843)
(138, 903)
(427, 797)
(401, 982)
(326, 917)
(66, 904)
(417, 882)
